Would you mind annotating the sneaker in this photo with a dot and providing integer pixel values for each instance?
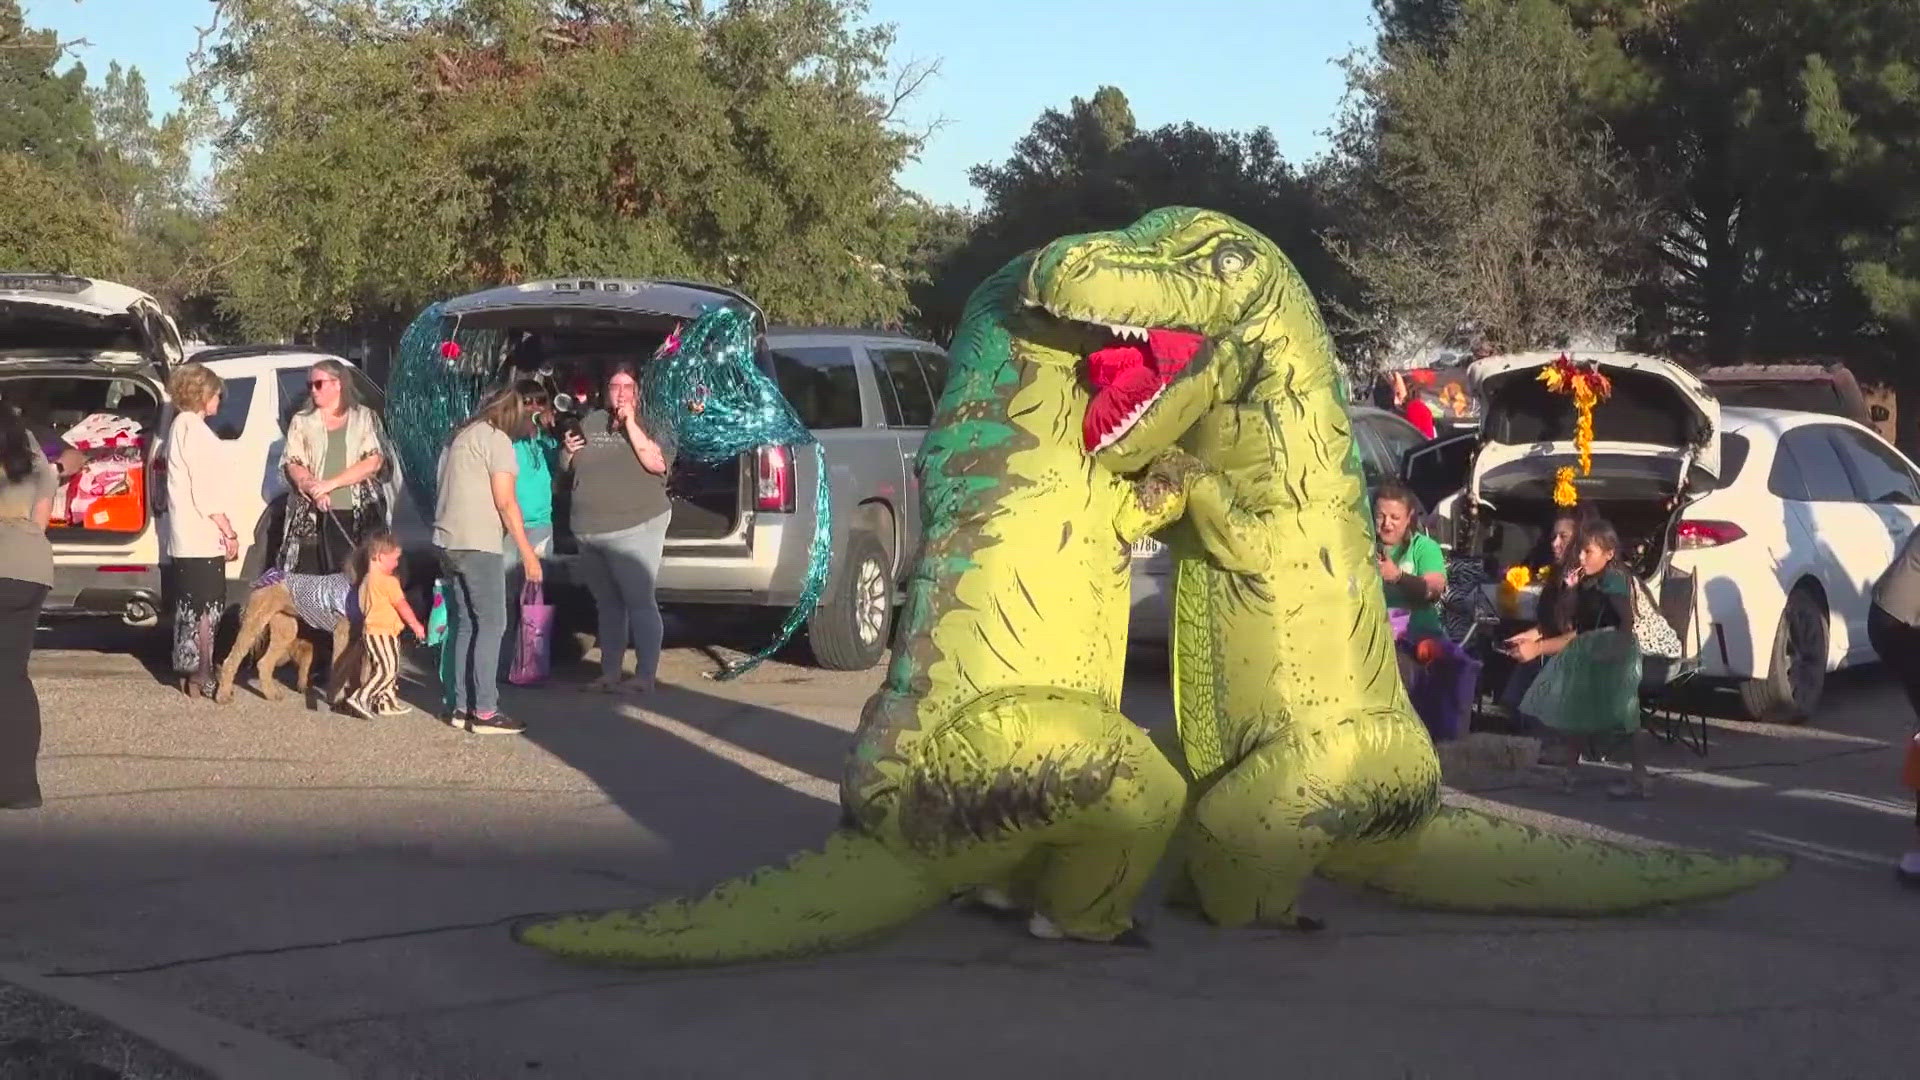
(360, 709)
(456, 718)
(398, 708)
(497, 724)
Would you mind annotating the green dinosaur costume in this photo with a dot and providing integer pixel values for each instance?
(1305, 751)
(995, 750)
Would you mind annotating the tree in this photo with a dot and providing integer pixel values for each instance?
(53, 224)
(1090, 168)
(42, 114)
(1509, 226)
(387, 153)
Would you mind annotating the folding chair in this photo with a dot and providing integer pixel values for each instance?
(1665, 685)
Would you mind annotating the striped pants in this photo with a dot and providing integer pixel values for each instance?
(381, 675)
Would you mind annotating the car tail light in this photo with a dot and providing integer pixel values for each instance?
(1693, 535)
(773, 479)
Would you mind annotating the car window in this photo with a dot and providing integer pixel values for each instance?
(822, 383)
(933, 367)
(1879, 475)
(1368, 444)
(236, 400)
(1395, 440)
(901, 368)
(293, 393)
(1822, 476)
(1733, 457)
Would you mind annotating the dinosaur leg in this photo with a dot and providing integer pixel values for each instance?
(1057, 772)
(1255, 839)
(1025, 797)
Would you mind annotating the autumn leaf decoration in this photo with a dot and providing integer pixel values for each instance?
(1587, 387)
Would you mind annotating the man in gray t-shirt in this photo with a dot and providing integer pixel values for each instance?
(464, 517)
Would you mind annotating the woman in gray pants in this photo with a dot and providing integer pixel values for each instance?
(619, 518)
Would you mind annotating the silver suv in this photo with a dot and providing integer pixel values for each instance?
(740, 532)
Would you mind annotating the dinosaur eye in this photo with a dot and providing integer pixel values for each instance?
(1229, 261)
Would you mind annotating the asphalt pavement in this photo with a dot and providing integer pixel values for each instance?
(341, 889)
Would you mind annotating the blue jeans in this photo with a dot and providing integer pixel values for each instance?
(541, 537)
(620, 569)
(476, 591)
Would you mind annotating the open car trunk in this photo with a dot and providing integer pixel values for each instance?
(573, 345)
(112, 420)
(1656, 442)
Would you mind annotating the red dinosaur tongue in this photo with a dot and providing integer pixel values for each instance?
(1127, 374)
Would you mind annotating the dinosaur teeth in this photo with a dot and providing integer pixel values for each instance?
(1126, 422)
(1124, 332)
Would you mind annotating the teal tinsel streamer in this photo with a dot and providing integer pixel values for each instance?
(429, 395)
(706, 398)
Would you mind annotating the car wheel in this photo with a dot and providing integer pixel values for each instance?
(1791, 691)
(848, 631)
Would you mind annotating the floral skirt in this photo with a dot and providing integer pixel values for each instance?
(199, 599)
(1592, 687)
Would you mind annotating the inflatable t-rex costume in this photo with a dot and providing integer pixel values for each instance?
(995, 749)
(1305, 753)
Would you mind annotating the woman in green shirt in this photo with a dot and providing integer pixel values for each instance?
(1413, 569)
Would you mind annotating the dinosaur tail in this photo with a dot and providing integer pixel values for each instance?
(1465, 860)
(853, 889)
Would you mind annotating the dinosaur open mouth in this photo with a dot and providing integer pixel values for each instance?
(1129, 375)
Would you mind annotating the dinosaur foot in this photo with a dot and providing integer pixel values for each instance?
(1308, 923)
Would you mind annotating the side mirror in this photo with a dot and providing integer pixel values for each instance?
(1880, 414)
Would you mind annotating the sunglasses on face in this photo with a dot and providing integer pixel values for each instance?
(317, 384)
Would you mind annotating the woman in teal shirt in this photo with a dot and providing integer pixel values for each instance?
(533, 490)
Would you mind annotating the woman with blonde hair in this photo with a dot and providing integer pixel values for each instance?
(337, 460)
(198, 523)
(476, 512)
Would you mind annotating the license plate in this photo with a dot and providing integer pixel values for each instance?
(1147, 547)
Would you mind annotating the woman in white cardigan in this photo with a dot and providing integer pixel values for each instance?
(199, 523)
(337, 461)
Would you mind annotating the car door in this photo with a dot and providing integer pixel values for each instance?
(908, 402)
(1852, 542)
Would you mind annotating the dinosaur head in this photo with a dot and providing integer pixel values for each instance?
(1181, 301)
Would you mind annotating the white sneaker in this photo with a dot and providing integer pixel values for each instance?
(1044, 928)
(398, 708)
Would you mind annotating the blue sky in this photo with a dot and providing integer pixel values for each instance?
(1234, 64)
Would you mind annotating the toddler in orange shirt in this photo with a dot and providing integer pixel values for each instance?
(384, 612)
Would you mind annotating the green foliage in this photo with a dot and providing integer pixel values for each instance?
(1089, 168)
(392, 152)
(1506, 226)
(1862, 110)
(43, 113)
(52, 223)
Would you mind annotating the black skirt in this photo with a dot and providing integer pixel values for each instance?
(199, 599)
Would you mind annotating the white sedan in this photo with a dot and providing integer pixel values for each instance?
(1807, 512)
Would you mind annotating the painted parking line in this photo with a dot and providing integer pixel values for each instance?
(1858, 802)
(1850, 858)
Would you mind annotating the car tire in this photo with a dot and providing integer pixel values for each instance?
(848, 630)
(1791, 691)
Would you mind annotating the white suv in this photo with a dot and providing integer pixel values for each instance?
(70, 348)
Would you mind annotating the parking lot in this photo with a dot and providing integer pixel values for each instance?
(344, 888)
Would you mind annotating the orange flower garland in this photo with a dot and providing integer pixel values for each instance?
(1587, 387)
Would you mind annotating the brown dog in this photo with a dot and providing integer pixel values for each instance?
(270, 628)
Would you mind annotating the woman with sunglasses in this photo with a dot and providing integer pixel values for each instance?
(336, 460)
